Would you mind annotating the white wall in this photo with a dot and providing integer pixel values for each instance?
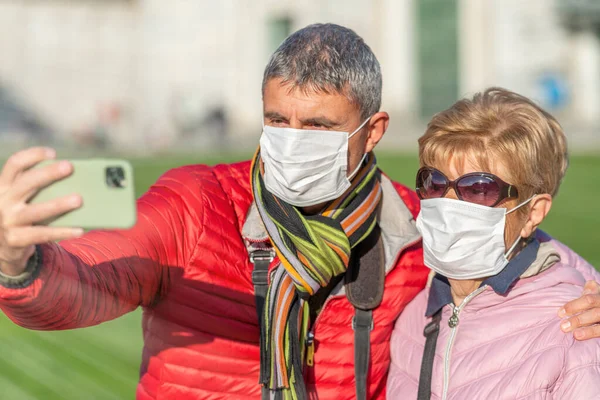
(512, 43)
(585, 75)
(158, 60)
(64, 59)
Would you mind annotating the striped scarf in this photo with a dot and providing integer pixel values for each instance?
(312, 249)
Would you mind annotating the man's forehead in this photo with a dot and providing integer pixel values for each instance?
(287, 100)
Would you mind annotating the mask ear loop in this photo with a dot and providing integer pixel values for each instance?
(514, 245)
(359, 128)
(364, 157)
(358, 167)
(521, 205)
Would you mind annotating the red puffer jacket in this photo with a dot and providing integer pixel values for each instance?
(186, 264)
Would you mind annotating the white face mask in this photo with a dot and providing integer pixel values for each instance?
(306, 167)
(464, 240)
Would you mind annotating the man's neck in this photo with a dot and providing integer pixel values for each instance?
(313, 210)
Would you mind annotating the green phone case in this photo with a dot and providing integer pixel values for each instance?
(107, 189)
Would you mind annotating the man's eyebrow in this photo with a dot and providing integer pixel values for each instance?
(274, 115)
(320, 121)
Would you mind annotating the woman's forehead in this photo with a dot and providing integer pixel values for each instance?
(455, 167)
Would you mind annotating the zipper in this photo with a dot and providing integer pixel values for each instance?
(310, 336)
(310, 351)
(453, 324)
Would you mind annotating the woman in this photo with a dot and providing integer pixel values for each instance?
(491, 166)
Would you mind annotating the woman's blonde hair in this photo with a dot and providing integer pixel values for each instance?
(498, 125)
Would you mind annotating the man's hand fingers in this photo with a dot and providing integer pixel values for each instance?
(583, 313)
(587, 318)
(35, 213)
(22, 237)
(577, 306)
(590, 332)
(23, 160)
(33, 180)
(591, 287)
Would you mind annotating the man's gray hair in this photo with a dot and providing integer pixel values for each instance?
(329, 58)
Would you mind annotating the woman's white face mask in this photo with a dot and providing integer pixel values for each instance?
(464, 240)
(306, 167)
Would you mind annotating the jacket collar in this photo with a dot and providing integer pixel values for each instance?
(398, 229)
(535, 258)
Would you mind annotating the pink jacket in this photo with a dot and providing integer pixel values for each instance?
(505, 346)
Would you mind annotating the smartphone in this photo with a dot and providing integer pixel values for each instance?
(107, 189)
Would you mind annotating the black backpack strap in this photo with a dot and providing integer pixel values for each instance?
(431, 332)
(362, 325)
(365, 281)
(261, 259)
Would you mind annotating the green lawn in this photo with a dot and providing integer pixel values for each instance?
(102, 362)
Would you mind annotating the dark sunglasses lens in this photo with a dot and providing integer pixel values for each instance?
(483, 190)
(431, 184)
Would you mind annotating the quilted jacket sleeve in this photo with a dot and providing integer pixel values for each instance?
(106, 274)
(580, 384)
(581, 377)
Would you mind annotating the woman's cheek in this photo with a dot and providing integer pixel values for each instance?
(514, 225)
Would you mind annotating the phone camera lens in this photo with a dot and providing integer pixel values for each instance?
(115, 177)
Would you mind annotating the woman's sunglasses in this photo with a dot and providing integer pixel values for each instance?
(477, 187)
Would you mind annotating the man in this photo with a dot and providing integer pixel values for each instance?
(337, 237)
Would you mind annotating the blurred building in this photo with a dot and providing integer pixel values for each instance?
(151, 74)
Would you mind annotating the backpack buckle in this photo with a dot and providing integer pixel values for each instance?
(355, 324)
(262, 255)
(261, 260)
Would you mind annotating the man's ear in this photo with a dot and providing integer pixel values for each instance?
(538, 209)
(377, 126)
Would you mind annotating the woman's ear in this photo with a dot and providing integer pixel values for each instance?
(539, 207)
(377, 126)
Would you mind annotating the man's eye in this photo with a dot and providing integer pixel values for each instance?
(317, 126)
